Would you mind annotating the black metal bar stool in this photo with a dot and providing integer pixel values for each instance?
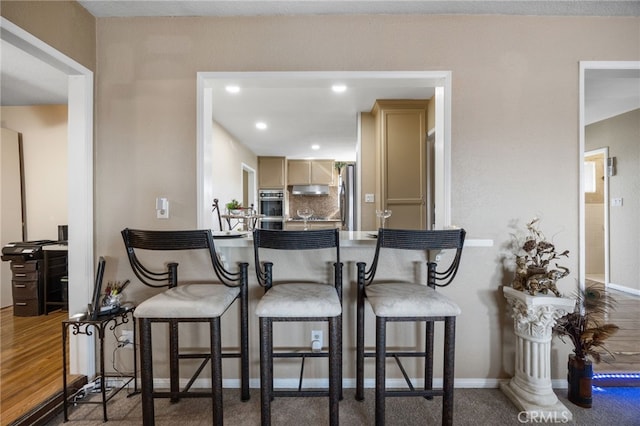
(393, 301)
(319, 299)
(187, 303)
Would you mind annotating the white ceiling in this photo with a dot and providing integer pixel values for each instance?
(111, 8)
(309, 112)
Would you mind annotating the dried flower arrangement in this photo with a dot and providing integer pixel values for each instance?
(533, 255)
(538, 251)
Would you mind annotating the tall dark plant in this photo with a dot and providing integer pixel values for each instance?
(585, 326)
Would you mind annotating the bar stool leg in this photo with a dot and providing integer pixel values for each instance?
(174, 362)
(428, 359)
(266, 370)
(146, 374)
(448, 373)
(360, 348)
(335, 370)
(216, 371)
(244, 340)
(381, 355)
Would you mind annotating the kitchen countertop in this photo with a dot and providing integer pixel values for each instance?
(347, 239)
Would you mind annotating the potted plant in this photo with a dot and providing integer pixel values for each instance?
(534, 254)
(233, 207)
(587, 330)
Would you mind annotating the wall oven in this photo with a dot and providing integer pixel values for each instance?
(271, 205)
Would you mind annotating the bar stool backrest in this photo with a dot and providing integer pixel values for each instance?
(432, 240)
(295, 240)
(172, 240)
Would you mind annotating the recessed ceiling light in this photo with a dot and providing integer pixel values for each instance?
(339, 88)
(315, 147)
(261, 125)
(232, 88)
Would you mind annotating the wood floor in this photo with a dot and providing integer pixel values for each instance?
(624, 346)
(30, 363)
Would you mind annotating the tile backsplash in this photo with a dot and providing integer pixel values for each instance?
(325, 206)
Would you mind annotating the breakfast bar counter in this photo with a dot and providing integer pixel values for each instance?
(355, 246)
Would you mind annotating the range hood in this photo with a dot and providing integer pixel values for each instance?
(310, 190)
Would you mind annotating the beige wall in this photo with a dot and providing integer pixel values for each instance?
(64, 25)
(508, 144)
(622, 135)
(227, 158)
(44, 139)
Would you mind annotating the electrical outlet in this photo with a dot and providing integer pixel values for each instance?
(616, 202)
(316, 340)
(126, 337)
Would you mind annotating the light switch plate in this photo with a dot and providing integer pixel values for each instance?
(369, 198)
(616, 202)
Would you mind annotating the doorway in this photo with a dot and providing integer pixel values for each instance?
(608, 202)
(596, 211)
(249, 186)
(80, 180)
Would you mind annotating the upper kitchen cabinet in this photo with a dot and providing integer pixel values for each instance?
(402, 161)
(271, 172)
(310, 172)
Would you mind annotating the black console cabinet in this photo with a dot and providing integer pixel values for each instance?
(38, 286)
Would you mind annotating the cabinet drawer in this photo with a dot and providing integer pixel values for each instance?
(26, 308)
(25, 275)
(24, 289)
(24, 266)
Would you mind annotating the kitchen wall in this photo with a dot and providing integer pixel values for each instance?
(228, 155)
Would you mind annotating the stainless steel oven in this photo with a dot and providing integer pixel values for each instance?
(271, 205)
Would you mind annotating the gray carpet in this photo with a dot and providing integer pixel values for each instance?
(611, 406)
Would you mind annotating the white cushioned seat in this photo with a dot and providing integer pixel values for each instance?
(300, 300)
(409, 300)
(189, 301)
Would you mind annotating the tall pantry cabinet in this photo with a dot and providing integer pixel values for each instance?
(401, 161)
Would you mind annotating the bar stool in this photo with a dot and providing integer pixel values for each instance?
(187, 303)
(394, 301)
(295, 300)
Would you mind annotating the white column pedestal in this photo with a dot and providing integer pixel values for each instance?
(533, 319)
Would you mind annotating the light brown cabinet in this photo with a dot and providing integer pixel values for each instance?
(271, 172)
(402, 161)
(310, 172)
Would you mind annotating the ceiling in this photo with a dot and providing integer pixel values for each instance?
(111, 8)
(300, 113)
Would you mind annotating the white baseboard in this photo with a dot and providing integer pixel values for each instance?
(624, 289)
(350, 383)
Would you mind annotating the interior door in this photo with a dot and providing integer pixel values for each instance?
(403, 161)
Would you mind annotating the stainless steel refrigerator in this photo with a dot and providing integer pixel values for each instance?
(348, 199)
